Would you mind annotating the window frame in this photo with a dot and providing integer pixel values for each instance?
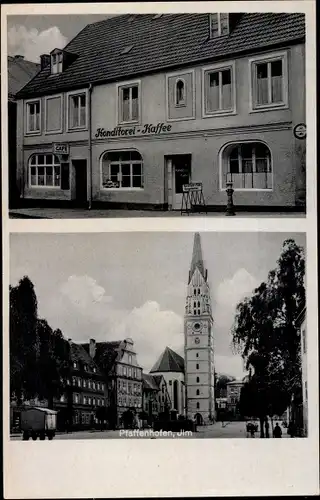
(240, 142)
(180, 76)
(69, 95)
(268, 58)
(119, 106)
(27, 103)
(58, 63)
(37, 186)
(216, 68)
(218, 14)
(131, 162)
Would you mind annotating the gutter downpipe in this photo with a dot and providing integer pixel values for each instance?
(90, 146)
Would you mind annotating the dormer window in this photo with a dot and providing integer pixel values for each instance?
(56, 63)
(180, 93)
(219, 24)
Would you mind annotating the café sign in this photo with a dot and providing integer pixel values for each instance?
(193, 186)
(144, 130)
(60, 148)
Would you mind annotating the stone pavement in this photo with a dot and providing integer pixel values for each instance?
(229, 430)
(73, 213)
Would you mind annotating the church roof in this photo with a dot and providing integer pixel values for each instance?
(169, 361)
(149, 382)
(197, 259)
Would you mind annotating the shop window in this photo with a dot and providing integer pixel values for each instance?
(33, 110)
(129, 103)
(269, 82)
(219, 24)
(218, 90)
(77, 111)
(56, 63)
(122, 170)
(247, 166)
(180, 93)
(44, 171)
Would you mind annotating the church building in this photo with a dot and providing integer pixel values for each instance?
(199, 348)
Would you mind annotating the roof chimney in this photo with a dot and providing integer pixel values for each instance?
(18, 56)
(44, 60)
(92, 348)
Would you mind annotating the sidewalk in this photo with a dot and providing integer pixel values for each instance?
(73, 213)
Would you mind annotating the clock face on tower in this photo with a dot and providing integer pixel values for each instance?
(197, 326)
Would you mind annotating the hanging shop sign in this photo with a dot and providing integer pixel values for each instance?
(60, 148)
(300, 131)
(146, 129)
(193, 186)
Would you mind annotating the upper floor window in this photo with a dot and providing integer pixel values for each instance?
(219, 24)
(122, 169)
(269, 81)
(33, 124)
(180, 93)
(218, 90)
(56, 63)
(247, 166)
(44, 171)
(129, 103)
(77, 110)
(129, 359)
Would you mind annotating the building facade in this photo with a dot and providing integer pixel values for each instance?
(233, 395)
(129, 112)
(20, 72)
(85, 392)
(199, 342)
(171, 367)
(156, 399)
(123, 375)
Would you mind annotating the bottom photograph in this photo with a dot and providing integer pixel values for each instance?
(158, 335)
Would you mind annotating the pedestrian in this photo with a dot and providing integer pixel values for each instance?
(252, 430)
(277, 432)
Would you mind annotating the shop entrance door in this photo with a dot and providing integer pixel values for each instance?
(81, 191)
(181, 174)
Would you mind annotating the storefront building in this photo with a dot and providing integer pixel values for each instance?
(128, 123)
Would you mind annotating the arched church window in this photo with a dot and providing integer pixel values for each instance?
(198, 291)
(194, 291)
(198, 405)
(198, 380)
(198, 392)
(175, 395)
(198, 304)
(199, 312)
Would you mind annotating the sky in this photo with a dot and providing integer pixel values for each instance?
(31, 36)
(109, 286)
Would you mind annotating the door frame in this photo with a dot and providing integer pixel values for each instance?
(74, 162)
(170, 175)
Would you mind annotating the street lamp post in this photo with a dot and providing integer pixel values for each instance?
(230, 206)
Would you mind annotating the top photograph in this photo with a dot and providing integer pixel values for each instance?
(156, 115)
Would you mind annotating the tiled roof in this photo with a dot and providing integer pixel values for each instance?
(80, 354)
(163, 43)
(149, 382)
(20, 72)
(169, 361)
(106, 354)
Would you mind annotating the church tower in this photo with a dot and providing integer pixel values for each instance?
(198, 335)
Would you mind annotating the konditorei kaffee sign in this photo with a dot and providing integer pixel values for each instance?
(146, 129)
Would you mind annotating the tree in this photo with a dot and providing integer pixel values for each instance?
(24, 341)
(39, 356)
(265, 334)
(221, 382)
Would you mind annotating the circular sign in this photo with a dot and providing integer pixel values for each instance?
(300, 131)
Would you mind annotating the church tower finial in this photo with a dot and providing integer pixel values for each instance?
(197, 259)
